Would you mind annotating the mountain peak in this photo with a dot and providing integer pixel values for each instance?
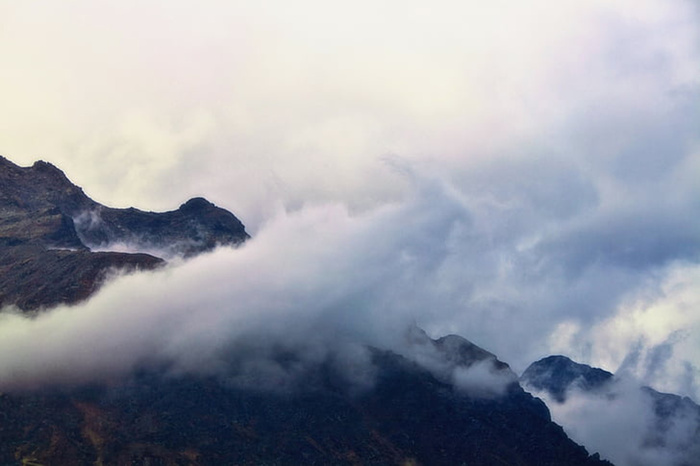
(464, 352)
(42, 165)
(49, 226)
(196, 204)
(557, 374)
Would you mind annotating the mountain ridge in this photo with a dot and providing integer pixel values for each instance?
(407, 417)
(421, 406)
(558, 374)
(56, 241)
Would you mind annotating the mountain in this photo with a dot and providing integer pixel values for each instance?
(557, 375)
(667, 427)
(54, 239)
(409, 416)
(439, 401)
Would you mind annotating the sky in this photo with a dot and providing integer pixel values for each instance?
(524, 174)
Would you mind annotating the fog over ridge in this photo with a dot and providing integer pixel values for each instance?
(321, 275)
(319, 271)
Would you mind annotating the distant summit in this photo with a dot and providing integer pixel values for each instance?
(557, 374)
(669, 425)
(57, 244)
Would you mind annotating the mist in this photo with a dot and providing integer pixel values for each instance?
(316, 280)
(620, 421)
(320, 283)
(523, 174)
(258, 104)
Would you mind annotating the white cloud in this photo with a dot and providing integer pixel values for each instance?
(651, 335)
(253, 103)
(558, 140)
(621, 423)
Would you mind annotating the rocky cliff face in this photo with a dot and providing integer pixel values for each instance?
(54, 239)
(197, 226)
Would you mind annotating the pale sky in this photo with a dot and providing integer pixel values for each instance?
(555, 144)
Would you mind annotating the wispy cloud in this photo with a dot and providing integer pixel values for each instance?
(629, 426)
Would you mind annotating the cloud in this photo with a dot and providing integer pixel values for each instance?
(623, 423)
(548, 202)
(310, 280)
(651, 335)
(481, 379)
(308, 283)
(256, 104)
(317, 285)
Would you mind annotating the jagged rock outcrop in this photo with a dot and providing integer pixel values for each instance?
(32, 277)
(196, 226)
(49, 228)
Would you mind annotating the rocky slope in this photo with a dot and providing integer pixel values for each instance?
(409, 416)
(51, 233)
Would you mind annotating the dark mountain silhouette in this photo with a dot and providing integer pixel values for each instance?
(412, 413)
(49, 227)
(558, 374)
(409, 416)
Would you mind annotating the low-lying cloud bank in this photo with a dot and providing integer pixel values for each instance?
(315, 285)
(312, 283)
(321, 283)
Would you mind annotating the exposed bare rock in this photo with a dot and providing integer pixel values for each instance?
(49, 229)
